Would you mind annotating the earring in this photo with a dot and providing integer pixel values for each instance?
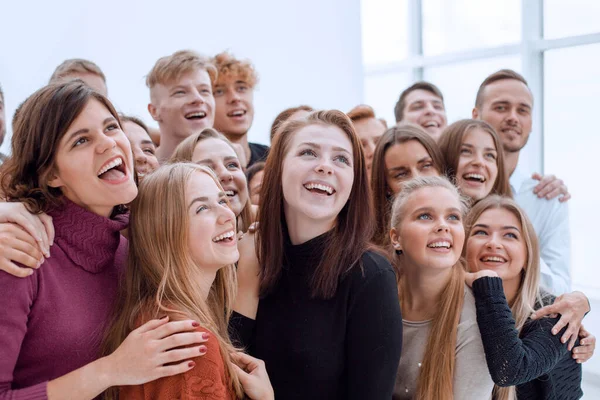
(399, 252)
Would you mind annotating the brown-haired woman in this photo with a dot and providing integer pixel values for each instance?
(208, 147)
(142, 146)
(442, 354)
(328, 324)
(404, 152)
(474, 159)
(71, 159)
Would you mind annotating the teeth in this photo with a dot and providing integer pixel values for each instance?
(224, 236)
(238, 113)
(493, 258)
(431, 124)
(479, 177)
(230, 193)
(111, 165)
(319, 186)
(440, 244)
(196, 114)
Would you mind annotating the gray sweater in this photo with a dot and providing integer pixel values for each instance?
(471, 377)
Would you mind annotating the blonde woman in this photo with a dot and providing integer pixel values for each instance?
(526, 360)
(442, 355)
(181, 259)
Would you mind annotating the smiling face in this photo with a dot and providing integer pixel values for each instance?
(427, 110)
(431, 233)
(496, 243)
(477, 169)
(369, 130)
(212, 235)
(507, 106)
(255, 184)
(234, 101)
(405, 161)
(144, 151)
(94, 163)
(221, 158)
(184, 106)
(317, 174)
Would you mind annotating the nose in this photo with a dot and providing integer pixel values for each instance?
(324, 167)
(493, 243)
(139, 156)
(196, 98)
(225, 216)
(105, 143)
(224, 174)
(513, 117)
(234, 96)
(442, 226)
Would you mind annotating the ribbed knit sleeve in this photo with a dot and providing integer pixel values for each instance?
(514, 360)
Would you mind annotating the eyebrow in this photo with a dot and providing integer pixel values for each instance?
(504, 227)
(316, 146)
(485, 148)
(204, 198)
(422, 209)
(506, 102)
(422, 160)
(86, 130)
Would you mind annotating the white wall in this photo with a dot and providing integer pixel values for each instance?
(306, 51)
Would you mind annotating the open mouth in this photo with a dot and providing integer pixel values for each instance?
(430, 124)
(113, 170)
(319, 188)
(493, 259)
(226, 237)
(231, 193)
(440, 244)
(510, 131)
(478, 178)
(236, 113)
(195, 116)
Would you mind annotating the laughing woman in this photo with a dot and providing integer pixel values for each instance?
(71, 159)
(328, 323)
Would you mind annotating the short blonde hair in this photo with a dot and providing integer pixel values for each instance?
(229, 66)
(76, 66)
(169, 68)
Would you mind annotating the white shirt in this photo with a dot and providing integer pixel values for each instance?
(550, 219)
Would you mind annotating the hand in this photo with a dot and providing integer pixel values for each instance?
(586, 347)
(471, 277)
(143, 355)
(39, 226)
(253, 376)
(18, 246)
(550, 187)
(572, 307)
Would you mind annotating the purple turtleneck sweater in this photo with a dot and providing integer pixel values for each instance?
(53, 321)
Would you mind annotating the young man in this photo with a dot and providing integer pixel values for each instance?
(423, 104)
(78, 68)
(234, 101)
(505, 102)
(369, 129)
(2, 123)
(181, 98)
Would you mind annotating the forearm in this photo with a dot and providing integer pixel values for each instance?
(84, 383)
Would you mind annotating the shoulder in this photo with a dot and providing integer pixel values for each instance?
(258, 148)
(468, 315)
(530, 201)
(372, 271)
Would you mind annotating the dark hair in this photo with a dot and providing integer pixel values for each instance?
(135, 120)
(450, 144)
(253, 170)
(422, 85)
(382, 201)
(349, 238)
(38, 127)
(495, 77)
(285, 115)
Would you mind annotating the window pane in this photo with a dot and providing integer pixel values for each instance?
(459, 82)
(458, 25)
(571, 144)
(382, 93)
(570, 18)
(384, 31)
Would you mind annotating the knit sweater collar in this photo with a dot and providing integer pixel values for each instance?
(306, 256)
(89, 240)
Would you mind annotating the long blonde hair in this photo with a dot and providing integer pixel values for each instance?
(160, 275)
(437, 373)
(528, 293)
(184, 153)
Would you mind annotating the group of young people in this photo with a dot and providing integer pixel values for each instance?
(346, 261)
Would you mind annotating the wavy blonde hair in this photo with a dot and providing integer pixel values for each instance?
(528, 293)
(160, 275)
(437, 373)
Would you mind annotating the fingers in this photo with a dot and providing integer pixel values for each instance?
(14, 270)
(552, 194)
(545, 311)
(177, 355)
(17, 256)
(544, 181)
(586, 347)
(570, 333)
(32, 225)
(564, 198)
(537, 176)
(172, 327)
(49, 225)
(555, 187)
(246, 361)
(171, 370)
(182, 339)
(151, 325)
(562, 322)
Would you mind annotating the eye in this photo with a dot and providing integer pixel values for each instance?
(343, 159)
(424, 216)
(439, 107)
(491, 156)
(242, 88)
(524, 111)
(80, 141)
(149, 151)
(454, 217)
(479, 232)
(179, 92)
(112, 127)
(464, 150)
(427, 165)
(206, 91)
(308, 152)
(200, 209)
(500, 108)
(511, 235)
(233, 165)
(218, 92)
(401, 174)
(224, 202)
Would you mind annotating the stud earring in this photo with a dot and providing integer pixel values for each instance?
(399, 252)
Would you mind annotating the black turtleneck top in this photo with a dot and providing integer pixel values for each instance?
(346, 347)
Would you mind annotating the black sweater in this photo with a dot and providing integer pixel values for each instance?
(346, 347)
(535, 360)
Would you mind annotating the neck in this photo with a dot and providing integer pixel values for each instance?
(511, 160)
(205, 279)
(167, 146)
(302, 229)
(511, 289)
(422, 290)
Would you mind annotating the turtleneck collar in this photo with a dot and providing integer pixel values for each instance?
(306, 255)
(88, 239)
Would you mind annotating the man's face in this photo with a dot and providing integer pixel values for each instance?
(2, 120)
(507, 106)
(234, 102)
(427, 110)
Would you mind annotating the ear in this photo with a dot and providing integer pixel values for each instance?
(475, 113)
(153, 112)
(54, 181)
(395, 239)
